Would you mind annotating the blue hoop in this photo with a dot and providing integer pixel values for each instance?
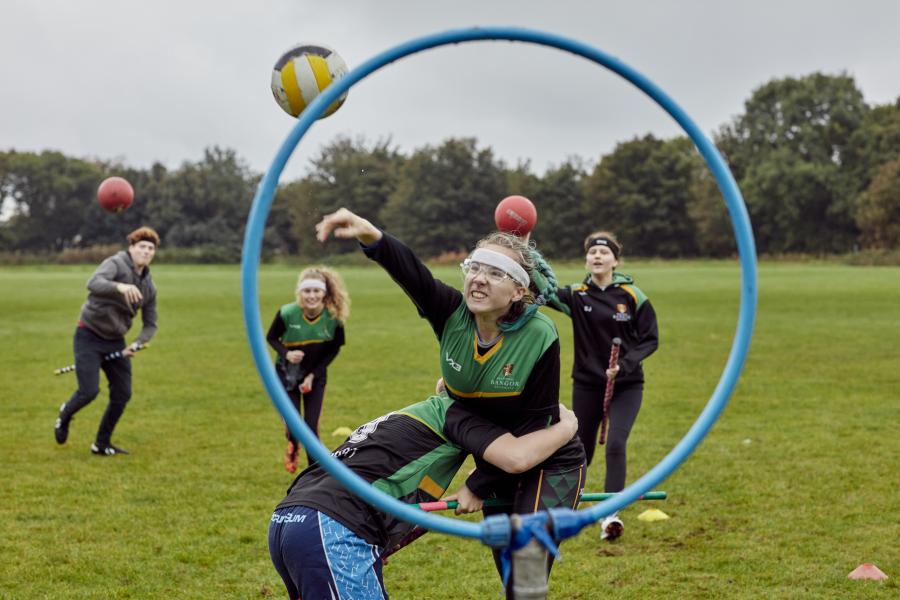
(495, 531)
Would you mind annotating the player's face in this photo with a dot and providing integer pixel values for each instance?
(485, 294)
(142, 253)
(312, 299)
(600, 261)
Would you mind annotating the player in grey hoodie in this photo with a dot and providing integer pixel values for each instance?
(119, 288)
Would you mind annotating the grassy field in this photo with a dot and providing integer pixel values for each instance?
(796, 485)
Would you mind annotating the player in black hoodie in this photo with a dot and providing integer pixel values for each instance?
(604, 306)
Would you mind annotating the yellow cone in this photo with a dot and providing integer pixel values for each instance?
(342, 431)
(653, 514)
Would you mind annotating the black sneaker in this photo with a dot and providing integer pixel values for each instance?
(61, 429)
(107, 450)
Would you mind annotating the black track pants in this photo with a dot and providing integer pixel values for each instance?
(587, 403)
(90, 349)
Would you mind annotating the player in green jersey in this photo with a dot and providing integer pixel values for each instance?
(499, 357)
(307, 335)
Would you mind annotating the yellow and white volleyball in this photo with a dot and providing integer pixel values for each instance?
(302, 73)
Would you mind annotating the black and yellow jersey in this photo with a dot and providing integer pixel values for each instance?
(411, 454)
(619, 310)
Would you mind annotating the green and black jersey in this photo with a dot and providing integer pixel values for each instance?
(412, 455)
(320, 338)
(514, 383)
(493, 381)
(600, 314)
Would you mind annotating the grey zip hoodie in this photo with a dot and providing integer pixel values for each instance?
(106, 312)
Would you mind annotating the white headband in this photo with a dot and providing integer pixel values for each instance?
(312, 284)
(503, 262)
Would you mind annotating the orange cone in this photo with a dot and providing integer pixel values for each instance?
(867, 571)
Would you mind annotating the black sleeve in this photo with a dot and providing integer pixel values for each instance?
(488, 481)
(434, 299)
(565, 296)
(276, 330)
(469, 431)
(647, 339)
(329, 351)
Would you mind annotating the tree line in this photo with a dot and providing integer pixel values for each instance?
(818, 167)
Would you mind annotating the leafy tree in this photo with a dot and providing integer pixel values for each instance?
(346, 173)
(641, 191)
(51, 195)
(792, 202)
(813, 117)
(206, 203)
(445, 196)
(713, 231)
(875, 142)
(878, 215)
(298, 207)
(563, 221)
(794, 141)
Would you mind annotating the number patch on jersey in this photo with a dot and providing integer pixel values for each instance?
(364, 431)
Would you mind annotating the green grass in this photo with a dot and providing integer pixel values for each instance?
(794, 487)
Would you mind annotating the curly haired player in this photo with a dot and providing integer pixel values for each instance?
(307, 336)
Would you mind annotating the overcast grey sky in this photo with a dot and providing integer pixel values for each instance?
(161, 80)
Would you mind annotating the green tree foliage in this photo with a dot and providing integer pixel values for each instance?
(788, 150)
(445, 197)
(51, 197)
(346, 173)
(641, 192)
(878, 215)
(874, 143)
(817, 167)
(794, 206)
(563, 222)
(213, 196)
(713, 231)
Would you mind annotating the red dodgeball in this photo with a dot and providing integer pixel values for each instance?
(516, 215)
(115, 194)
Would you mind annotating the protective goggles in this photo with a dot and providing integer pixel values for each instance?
(495, 266)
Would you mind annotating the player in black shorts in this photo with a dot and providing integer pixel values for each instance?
(326, 542)
(499, 356)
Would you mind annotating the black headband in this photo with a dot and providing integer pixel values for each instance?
(605, 241)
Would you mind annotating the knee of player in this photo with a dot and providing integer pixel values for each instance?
(89, 393)
(615, 446)
(120, 396)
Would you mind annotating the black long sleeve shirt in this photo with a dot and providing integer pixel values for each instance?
(601, 314)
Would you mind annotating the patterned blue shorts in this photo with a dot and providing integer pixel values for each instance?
(317, 557)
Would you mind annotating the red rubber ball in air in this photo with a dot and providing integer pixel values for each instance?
(115, 194)
(516, 215)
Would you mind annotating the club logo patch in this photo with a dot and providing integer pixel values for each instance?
(504, 380)
(621, 313)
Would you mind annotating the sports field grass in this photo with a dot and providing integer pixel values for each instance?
(796, 485)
